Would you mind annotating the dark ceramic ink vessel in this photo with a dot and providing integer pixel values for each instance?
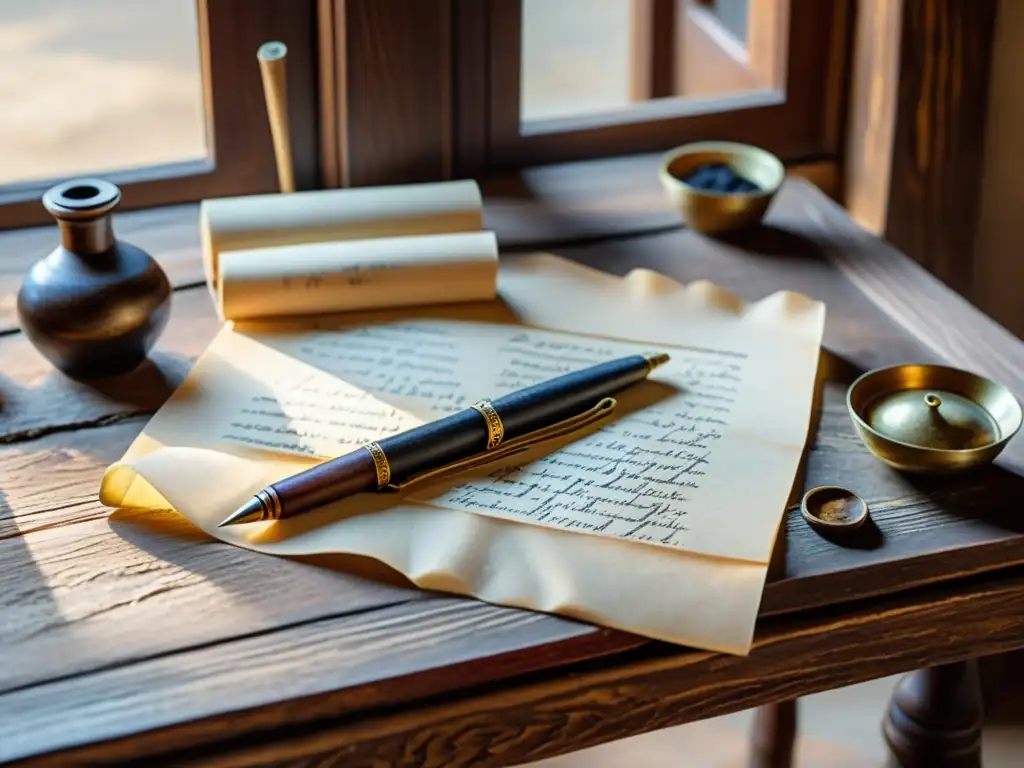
(94, 306)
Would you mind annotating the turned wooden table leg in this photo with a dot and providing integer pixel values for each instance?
(934, 718)
(773, 736)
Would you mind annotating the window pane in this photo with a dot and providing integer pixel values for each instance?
(98, 86)
(575, 57)
(595, 58)
(733, 15)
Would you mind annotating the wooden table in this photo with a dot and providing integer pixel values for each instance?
(132, 636)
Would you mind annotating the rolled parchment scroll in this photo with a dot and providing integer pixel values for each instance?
(338, 276)
(264, 221)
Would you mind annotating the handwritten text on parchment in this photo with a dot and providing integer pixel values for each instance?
(638, 477)
(631, 479)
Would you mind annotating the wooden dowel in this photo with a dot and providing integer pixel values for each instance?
(272, 57)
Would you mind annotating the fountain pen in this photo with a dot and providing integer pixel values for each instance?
(468, 432)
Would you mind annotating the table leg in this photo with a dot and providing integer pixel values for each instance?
(773, 736)
(934, 718)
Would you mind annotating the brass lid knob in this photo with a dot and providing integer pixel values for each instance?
(932, 419)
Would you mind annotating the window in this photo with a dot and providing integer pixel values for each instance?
(163, 97)
(110, 86)
(571, 79)
(733, 15)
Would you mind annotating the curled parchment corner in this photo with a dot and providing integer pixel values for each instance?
(642, 280)
(702, 293)
(794, 310)
(708, 295)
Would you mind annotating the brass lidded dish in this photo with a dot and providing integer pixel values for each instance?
(710, 211)
(932, 418)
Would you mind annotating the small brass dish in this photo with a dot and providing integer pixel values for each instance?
(932, 418)
(831, 508)
(713, 212)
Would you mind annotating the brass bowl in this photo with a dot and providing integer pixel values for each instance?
(713, 212)
(932, 418)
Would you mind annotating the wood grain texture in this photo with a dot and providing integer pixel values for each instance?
(71, 463)
(934, 718)
(77, 598)
(393, 656)
(938, 144)
(773, 736)
(103, 599)
(915, 528)
(997, 274)
(918, 302)
(241, 156)
(394, 90)
(470, 80)
(596, 199)
(327, 79)
(652, 49)
(539, 718)
(857, 337)
(874, 84)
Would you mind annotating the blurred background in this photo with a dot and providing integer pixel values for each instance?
(98, 86)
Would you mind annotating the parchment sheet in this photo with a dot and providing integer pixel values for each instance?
(692, 574)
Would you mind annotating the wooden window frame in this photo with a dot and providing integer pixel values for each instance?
(241, 158)
(799, 124)
(417, 90)
(756, 60)
(653, 50)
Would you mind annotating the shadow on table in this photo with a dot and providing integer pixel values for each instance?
(29, 608)
(868, 536)
(148, 386)
(769, 240)
(170, 537)
(990, 495)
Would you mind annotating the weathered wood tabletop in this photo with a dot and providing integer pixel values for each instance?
(129, 635)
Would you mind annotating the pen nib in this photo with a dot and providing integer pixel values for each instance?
(250, 512)
(653, 361)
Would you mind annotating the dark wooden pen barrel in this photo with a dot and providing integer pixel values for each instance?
(344, 476)
(94, 306)
(435, 444)
(465, 433)
(458, 436)
(552, 401)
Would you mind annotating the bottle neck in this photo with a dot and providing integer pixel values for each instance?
(87, 238)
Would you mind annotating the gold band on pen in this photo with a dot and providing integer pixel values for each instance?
(653, 361)
(270, 503)
(380, 463)
(495, 429)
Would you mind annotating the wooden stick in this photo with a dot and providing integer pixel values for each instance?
(272, 57)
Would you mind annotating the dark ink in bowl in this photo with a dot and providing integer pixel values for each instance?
(721, 178)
